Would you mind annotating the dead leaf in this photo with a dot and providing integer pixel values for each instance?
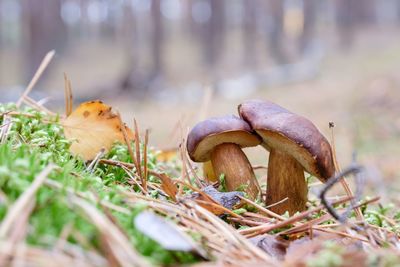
(166, 155)
(216, 202)
(227, 199)
(168, 186)
(91, 127)
(168, 235)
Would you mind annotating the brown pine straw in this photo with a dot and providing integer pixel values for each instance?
(262, 209)
(265, 226)
(257, 230)
(135, 159)
(326, 218)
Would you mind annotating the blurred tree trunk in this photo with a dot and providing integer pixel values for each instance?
(44, 30)
(307, 36)
(135, 79)
(276, 32)
(214, 35)
(189, 26)
(157, 38)
(132, 79)
(250, 32)
(346, 21)
(1, 23)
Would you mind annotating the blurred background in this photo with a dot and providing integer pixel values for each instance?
(171, 63)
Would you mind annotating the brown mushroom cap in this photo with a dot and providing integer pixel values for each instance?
(215, 131)
(291, 133)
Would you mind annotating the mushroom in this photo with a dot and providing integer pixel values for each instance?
(220, 140)
(295, 146)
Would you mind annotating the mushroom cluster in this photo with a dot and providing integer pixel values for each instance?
(295, 146)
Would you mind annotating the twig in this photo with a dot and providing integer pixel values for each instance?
(332, 181)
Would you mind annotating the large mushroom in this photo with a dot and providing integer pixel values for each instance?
(295, 146)
(220, 140)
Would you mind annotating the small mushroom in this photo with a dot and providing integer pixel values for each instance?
(295, 146)
(220, 140)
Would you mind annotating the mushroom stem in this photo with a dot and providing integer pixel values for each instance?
(208, 172)
(285, 180)
(230, 160)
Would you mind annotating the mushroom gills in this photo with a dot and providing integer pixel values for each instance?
(300, 153)
(285, 180)
(230, 160)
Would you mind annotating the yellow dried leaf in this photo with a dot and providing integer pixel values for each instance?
(168, 186)
(167, 154)
(91, 127)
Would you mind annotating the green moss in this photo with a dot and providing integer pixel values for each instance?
(35, 141)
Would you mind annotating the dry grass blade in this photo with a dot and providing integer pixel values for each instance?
(119, 245)
(22, 202)
(5, 128)
(36, 105)
(68, 95)
(145, 169)
(138, 160)
(128, 144)
(42, 67)
(196, 177)
(343, 181)
(92, 166)
(128, 172)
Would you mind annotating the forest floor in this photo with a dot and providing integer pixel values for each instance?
(111, 210)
